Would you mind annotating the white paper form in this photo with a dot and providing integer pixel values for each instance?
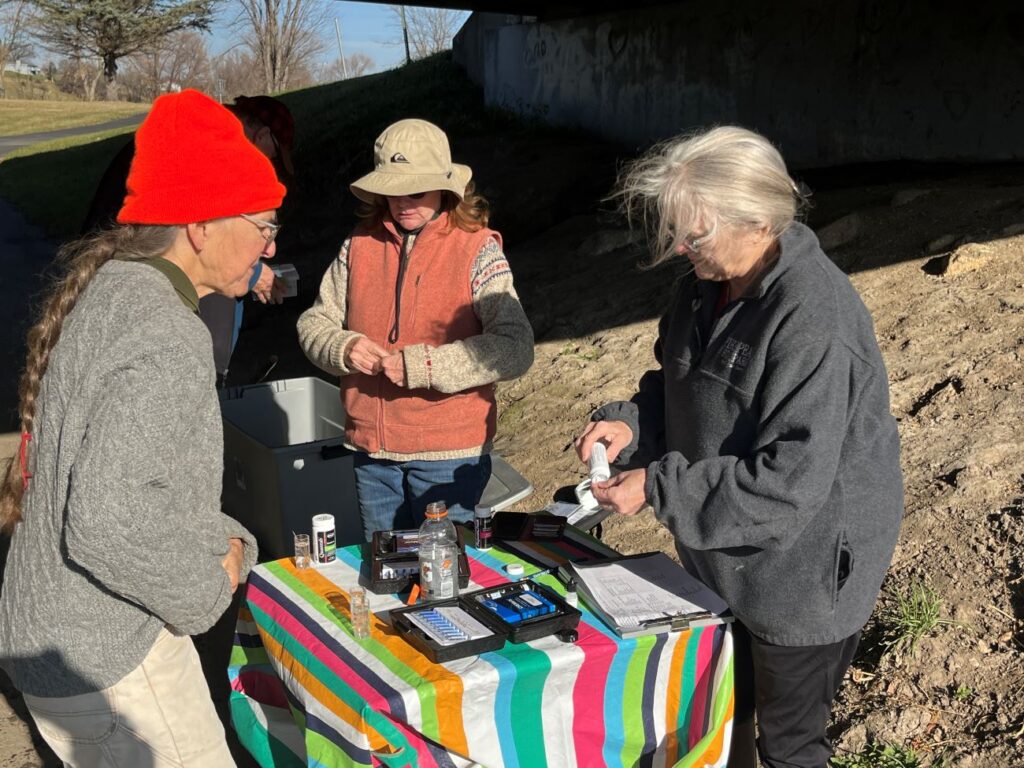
(646, 588)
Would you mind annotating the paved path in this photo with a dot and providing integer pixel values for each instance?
(10, 143)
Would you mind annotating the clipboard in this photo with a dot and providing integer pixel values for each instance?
(645, 594)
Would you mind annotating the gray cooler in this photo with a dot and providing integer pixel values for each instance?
(284, 462)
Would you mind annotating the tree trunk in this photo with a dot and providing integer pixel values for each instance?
(109, 66)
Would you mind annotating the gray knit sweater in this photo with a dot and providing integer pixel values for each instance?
(122, 531)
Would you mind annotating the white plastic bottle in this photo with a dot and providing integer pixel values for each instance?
(438, 553)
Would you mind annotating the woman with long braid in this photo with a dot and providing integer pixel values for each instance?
(119, 549)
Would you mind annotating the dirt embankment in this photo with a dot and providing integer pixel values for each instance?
(941, 268)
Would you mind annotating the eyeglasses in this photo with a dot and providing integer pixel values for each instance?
(417, 196)
(695, 244)
(268, 229)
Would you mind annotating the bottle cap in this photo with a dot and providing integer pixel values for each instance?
(436, 509)
(514, 569)
(323, 522)
(481, 510)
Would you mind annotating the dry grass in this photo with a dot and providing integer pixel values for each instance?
(18, 117)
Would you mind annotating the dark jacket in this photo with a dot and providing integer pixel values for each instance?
(775, 456)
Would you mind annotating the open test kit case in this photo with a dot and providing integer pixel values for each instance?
(481, 621)
(517, 526)
(394, 560)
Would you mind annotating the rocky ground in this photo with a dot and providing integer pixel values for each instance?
(938, 258)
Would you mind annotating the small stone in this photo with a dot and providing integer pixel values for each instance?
(607, 240)
(905, 196)
(840, 232)
(941, 243)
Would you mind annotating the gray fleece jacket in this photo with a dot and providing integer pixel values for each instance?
(774, 456)
(122, 531)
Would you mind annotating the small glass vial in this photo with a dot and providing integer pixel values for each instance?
(570, 593)
(360, 608)
(302, 550)
(482, 526)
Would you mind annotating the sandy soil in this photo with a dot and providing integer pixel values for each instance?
(939, 261)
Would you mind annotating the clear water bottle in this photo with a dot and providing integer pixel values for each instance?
(439, 554)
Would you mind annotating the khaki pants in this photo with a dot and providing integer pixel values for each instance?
(158, 716)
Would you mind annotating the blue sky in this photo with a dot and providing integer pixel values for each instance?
(367, 28)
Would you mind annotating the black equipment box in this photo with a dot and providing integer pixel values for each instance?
(394, 560)
(519, 526)
(481, 621)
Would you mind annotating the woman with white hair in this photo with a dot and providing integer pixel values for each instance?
(764, 439)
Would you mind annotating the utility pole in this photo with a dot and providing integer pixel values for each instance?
(405, 34)
(341, 51)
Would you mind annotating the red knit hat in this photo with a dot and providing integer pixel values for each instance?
(193, 163)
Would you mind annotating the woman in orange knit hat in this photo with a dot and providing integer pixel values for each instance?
(419, 317)
(119, 549)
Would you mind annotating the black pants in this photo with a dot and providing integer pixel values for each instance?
(791, 688)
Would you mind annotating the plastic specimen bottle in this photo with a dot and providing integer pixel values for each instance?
(438, 554)
(482, 526)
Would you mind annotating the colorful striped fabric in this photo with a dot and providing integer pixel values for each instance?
(305, 692)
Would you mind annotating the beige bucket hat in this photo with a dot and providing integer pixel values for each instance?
(409, 157)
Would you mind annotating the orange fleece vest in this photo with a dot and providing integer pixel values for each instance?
(436, 308)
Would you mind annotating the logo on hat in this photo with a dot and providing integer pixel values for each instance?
(398, 157)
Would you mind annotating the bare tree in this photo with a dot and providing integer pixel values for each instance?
(283, 35)
(79, 77)
(180, 60)
(356, 65)
(236, 73)
(430, 29)
(113, 29)
(15, 16)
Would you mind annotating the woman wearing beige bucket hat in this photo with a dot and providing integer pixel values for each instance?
(419, 317)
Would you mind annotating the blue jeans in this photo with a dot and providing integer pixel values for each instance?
(393, 495)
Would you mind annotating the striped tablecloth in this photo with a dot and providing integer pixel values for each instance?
(305, 692)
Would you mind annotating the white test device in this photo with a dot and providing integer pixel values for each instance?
(599, 471)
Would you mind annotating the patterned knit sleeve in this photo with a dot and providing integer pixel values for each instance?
(504, 348)
(322, 328)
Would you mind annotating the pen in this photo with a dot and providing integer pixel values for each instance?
(678, 617)
(554, 570)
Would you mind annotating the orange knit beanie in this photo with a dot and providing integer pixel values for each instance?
(193, 163)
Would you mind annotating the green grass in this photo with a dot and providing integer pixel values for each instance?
(911, 616)
(878, 756)
(53, 184)
(18, 117)
(963, 692)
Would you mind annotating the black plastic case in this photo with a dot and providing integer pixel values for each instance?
(519, 526)
(566, 617)
(384, 554)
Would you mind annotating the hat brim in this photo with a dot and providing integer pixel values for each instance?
(396, 184)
